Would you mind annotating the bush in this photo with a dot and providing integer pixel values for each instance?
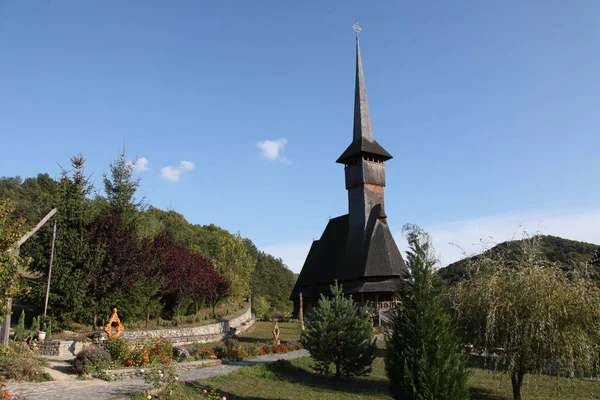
(163, 379)
(118, 348)
(19, 362)
(219, 351)
(339, 332)
(423, 361)
(252, 351)
(279, 348)
(89, 357)
(156, 350)
(181, 353)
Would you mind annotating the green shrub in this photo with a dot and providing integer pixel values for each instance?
(339, 332)
(20, 329)
(90, 356)
(118, 348)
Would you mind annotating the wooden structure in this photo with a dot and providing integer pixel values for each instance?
(114, 319)
(5, 326)
(356, 249)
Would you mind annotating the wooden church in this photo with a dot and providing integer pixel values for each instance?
(356, 249)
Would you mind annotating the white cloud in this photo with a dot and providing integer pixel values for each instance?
(455, 239)
(173, 174)
(140, 165)
(272, 150)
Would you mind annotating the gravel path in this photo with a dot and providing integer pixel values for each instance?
(98, 389)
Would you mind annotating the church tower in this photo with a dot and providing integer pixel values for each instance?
(356, 249)
(364, 168)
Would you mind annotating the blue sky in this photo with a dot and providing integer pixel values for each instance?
(489, 108)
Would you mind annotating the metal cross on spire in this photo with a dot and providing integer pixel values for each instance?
(356, 28)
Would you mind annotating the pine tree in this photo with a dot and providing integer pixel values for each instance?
(20, 329)
(339, 332)
(120, 190)
(423, 360)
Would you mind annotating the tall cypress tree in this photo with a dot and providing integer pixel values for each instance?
(20, 329)
(423, 360)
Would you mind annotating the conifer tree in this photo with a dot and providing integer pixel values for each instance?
(35, 327)
(20, 329)
(423, 360)
(339, 332)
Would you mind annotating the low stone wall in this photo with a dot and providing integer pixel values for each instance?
(60, 348)
(196, 334)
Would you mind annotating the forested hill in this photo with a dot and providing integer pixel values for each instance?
(565, 252)
(103, 240)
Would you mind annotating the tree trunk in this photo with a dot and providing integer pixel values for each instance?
(95, 319)
(147, 318)
(517, 381)
(338, 370)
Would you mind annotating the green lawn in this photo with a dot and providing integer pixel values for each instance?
(261, 332)
(296, 380)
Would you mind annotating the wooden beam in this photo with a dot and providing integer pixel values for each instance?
(35, 228)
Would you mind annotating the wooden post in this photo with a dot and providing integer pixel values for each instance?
(301, 314)
(49, 274)
(5, 327)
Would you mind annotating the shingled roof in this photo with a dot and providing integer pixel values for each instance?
(327, 262)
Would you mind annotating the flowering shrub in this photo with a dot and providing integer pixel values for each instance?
(279, 348)
(219, 351)
(206, 354)
(163, 379)
(118, 348)
(156, 350)
(264, 350)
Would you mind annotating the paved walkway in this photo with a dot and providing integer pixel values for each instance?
(98, 389)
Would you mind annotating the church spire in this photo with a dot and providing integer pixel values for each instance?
(362, 137)
(362, 118)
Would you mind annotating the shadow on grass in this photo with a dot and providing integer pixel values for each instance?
(286, 371)
(478, 393)
(197, 388)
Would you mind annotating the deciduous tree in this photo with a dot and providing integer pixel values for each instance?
(530, 312)
(11, 230)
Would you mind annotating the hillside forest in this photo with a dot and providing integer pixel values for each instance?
(564, 252)
(113, 249)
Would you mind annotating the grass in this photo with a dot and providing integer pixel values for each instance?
(295, 379)
(261, 332)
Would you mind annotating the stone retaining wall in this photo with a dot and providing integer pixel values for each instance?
(196, 334)
(60, 348)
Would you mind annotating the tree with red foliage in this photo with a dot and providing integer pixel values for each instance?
(219, 289)
(119, 260)
(187, 274)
